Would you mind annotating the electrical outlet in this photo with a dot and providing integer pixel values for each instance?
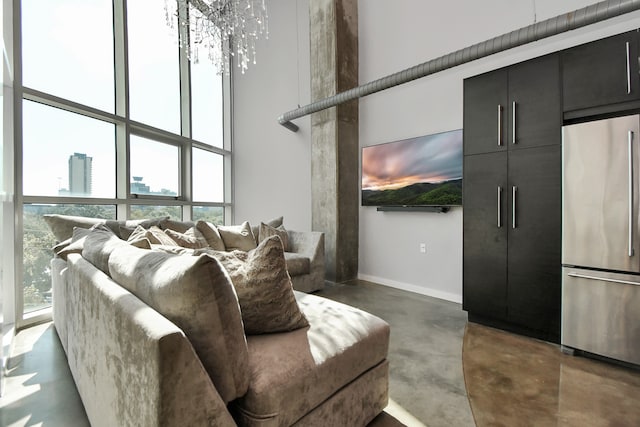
(423, 248)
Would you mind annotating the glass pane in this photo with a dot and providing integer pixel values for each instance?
(208, 176)
(154, 73)
(66, 154)
(154, 167)
(67, 48)
(206, 103)
(146, 211)
(213, 214)
(37, 243)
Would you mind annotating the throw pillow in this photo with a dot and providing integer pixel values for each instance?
(264, 288)
(99, 244)
(76, 243)
(158, 237)
(275, 223)
(192, 238)
(267, 231)
(62, 225)
(172, 224)
(125, 228)
(211, 234)
(196, 294)
(139, 238)
(237, 237)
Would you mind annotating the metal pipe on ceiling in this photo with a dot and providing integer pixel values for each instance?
(550, 27)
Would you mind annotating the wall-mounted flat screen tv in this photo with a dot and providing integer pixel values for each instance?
(422, 171)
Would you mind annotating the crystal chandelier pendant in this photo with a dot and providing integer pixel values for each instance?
(226, 29)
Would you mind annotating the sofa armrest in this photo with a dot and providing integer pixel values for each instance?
(311, 245)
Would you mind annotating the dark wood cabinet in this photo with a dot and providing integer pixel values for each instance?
(513, 108)
(485, 235)
(512, 204)
(534, 240)
(535, 113)
(601, 73)
(485, 101)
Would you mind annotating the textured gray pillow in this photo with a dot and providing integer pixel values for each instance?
(172, 224)
(158, 237)
(76, 243)
(266, 231)
(264, 288)
(98, 246)
(196, 294)
(191, 238)
(210, 232)
(237, 237)
(275, 223)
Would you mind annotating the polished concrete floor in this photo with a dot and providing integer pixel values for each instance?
(425, 350)
(518, 381)
(427, 383)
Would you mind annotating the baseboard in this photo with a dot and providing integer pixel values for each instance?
(447, 296)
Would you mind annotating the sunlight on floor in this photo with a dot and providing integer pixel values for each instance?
(399, 413)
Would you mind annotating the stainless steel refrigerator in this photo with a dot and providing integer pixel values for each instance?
(600, 239)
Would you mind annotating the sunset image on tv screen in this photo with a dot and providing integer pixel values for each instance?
(422, 171)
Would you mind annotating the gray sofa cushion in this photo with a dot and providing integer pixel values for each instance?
(196, 294)
(342, 343)
(62, 225)
(297, 264)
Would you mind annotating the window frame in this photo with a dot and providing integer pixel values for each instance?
(124, 128)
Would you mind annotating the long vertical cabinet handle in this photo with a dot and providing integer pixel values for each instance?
(514, 192)
(499, 125)
(514, 122)
(628, 70)
(630, 141)
(499, 206)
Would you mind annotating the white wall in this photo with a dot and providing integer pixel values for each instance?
(408, 33)
(272, 165)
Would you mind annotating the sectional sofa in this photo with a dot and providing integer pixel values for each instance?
(178, 336)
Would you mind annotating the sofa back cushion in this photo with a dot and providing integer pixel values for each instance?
(62, 225)
(196, 294)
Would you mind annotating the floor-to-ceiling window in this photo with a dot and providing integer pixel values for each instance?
(112, 121)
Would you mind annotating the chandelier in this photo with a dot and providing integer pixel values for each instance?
(226, 29)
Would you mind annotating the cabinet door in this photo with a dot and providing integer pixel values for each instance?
(601, 72)
(535, 115)
(534, 244)
(485, 235)
(485, 113)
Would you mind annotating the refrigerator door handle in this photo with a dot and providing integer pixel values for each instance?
(628, 70)
(603, 279)
(630, 142)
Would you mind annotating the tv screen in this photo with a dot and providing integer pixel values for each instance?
(422, 171)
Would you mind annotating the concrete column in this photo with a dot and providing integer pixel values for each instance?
(334, 134)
